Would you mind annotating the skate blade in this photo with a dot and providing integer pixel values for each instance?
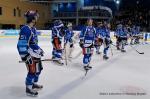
(60, 64)
(37, 89)
(31, 95)
(86, 73)
(105, 58)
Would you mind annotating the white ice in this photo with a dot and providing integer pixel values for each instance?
(112, 79)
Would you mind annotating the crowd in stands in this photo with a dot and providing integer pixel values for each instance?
(86, 12)
(127, 17)
(134, 17)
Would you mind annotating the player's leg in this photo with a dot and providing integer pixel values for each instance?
(30, 79)
(105, 56)
(53, 53)
(86, 58)
(98, 45)
(71, 48)
(132, 41)
(91, 50)
(58, 50)
(118, 43)
(39, 68)
(106, 47)
(123, 42)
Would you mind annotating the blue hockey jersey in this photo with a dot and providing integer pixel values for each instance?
(88, 35)
(28, 42)
(99, 31)
(56, 32)
(68, 36)
(121, 32)
(135, 31)
(105, 33)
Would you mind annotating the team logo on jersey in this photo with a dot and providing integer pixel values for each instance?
(88, 41)
(90, 32)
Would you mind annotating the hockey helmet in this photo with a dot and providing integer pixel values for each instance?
(58, 24)
(31, 15)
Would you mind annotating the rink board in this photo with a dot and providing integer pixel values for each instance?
(47, 33)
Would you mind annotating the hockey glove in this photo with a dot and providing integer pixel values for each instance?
(81, 43)
(28, 59)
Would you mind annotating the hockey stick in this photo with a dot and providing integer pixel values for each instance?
(37, 60)
(65, 56)
(132, 48)
(111, 50)
(136, 50)
(113, 45)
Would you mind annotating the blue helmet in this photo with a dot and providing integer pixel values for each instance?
(58, 24)
(30, 15)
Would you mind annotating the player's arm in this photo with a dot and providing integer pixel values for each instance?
(81, 37)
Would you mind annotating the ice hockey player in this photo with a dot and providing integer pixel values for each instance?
(145, 38)
(57, 35)
(87, 39)
(105, 35)
(68, 38)
(31, 53)
(121, 36)
(135, 35)
(99, 40)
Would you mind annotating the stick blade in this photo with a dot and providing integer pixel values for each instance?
(141, 53)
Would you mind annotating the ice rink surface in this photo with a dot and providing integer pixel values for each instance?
(123, 76)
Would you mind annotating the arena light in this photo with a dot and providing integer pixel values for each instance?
(118, 2)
